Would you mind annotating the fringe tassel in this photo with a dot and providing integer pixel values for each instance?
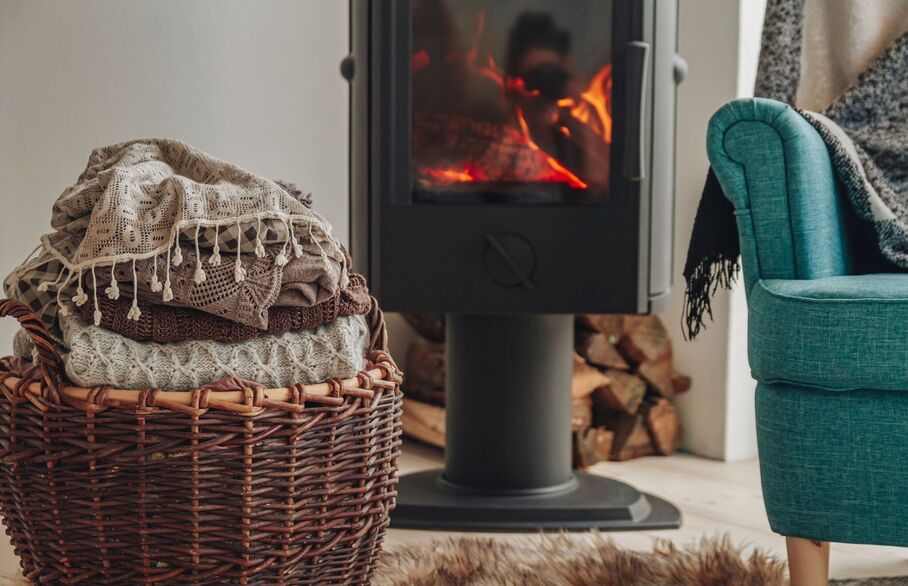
(177, 253)
(325, 264)
(712, 256)
(45, 285)
(259, 247)
(62, 309)
(239, 271)
(134, 312)
(297, 247)
(155, 284)
(168, 292)
(113, 292)
(94, 294)
(281, 260)
(199, 276)
(215, 258)
(80, 297)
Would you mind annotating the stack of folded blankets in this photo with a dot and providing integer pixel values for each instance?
(171, 269)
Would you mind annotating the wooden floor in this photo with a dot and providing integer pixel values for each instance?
(716, 498)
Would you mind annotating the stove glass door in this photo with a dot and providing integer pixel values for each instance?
(511, 101)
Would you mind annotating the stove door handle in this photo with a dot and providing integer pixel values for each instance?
(634, 152)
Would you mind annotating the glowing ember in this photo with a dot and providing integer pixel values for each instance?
(448, 176)
(420, 61)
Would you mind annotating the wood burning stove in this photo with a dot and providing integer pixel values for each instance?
(512, 163)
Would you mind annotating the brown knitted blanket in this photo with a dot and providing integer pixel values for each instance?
(169, 323)
(303, 281)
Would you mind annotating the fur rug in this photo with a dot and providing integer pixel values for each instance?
(564, 560)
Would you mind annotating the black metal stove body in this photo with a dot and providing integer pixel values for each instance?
(515, 245)
(512, 163)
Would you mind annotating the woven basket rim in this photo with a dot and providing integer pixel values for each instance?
(44, 384)
(247, 399)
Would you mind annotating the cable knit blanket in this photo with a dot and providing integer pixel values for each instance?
(99, 357)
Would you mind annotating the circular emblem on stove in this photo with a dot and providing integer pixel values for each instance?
(510, 259)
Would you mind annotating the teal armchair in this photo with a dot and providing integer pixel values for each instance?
(827, 346)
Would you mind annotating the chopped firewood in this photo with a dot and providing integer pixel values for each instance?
(621, 387)
(631, 439)
(625, 392)
(430, 326)
(581, 413)
(659, 376)
(591, 446)
(586, 378)
(680, 383)
(598, 351)
(662, 424)
(424, 422)
(648, 341)
(610, 324)
(425, 369)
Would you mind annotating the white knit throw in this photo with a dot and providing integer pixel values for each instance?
(135, 199)
(100, 357)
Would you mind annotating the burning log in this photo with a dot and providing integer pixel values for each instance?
(461, 149)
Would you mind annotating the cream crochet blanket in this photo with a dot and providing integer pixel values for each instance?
(135, 200)
(99, 357)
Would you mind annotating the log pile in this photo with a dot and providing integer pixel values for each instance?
(622, 388)
(634, 407)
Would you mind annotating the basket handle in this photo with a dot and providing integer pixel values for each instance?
(48, 357)
(377, 328)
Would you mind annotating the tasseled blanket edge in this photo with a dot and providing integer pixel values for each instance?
(317, 231)
(712, 256)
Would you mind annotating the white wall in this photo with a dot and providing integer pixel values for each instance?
(252, 82)
(740, 421)
(720, 40)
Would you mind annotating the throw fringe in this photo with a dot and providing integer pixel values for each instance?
(712, 256)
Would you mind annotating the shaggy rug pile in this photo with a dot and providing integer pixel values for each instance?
(564, 560)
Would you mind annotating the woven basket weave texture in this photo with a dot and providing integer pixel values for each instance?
(236, 486)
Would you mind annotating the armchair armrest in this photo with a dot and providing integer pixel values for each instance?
(774, 167)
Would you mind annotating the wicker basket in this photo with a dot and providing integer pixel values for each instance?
(247, 486)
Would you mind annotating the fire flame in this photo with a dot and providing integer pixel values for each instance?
(590, 109)
(594, 103)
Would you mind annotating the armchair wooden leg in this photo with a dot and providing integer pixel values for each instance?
(808, 562)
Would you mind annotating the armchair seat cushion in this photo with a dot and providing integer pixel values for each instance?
(838, 333)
